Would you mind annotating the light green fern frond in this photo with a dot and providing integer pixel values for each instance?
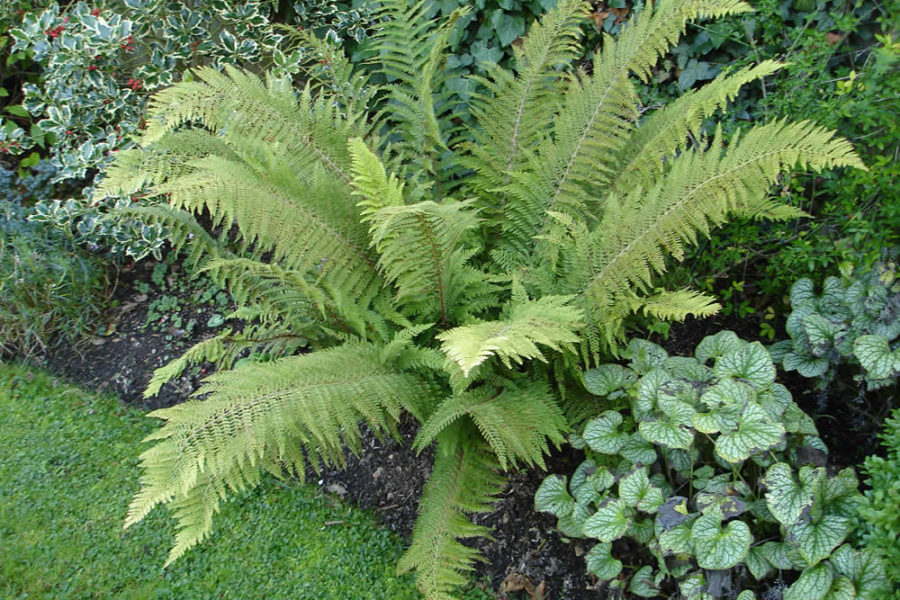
(512, 111)
(464, 480)
(701, 188)
(597, 115)
(517, 420)
(410, 53)
(550, 321)
(292, 412)
(669, 129)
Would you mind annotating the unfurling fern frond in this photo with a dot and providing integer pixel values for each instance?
(291, 412)
(464, 480)
(549, 321)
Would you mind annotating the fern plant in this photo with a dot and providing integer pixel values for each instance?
(462, 276)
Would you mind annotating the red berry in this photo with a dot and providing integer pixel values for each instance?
(96, 12)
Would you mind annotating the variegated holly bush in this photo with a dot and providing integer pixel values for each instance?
(855, 321)
(709, 466)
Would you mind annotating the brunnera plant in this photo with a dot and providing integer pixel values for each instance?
(461, 275)
(709, 466)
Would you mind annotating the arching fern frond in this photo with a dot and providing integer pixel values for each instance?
(464, 480)
(512, 112)
(294, 411)
(550, 321)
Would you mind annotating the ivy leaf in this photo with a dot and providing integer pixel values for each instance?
(812, 584)
(642, 583)
(602, 434)
(754, 434)
(601, 563)
(635, 489)
(508, 27)
(609, 522)
(751, 363)
(717, 547)
(608, 378)
(552, 496)
(786, 498)
(720, 344)
(875, 356)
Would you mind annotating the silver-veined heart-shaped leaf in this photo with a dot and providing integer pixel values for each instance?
(802, 293)
(602, 434)
(644, 356)
(755, 434)
(552, 496)
(601, 563)
(797, 421)
(642, 583)
(806, 364)
(717, 547)
(687, 367)
(774, 400)
(776, 553)
(582, 471)
(813, 584)
(864, 569)
(719, 344)
(638, 450)
(786, 498)
(667, 433)
(816, 540)
(875, 356)
(609, 522)
(608, 378)
(746, 595)
(757, 564)
(821, 332)
(676, 540)
(636, 491)
(648, 392)
(751, 363)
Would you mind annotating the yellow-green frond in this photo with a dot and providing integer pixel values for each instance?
(550, 321)
(293, 412)
(464, 480)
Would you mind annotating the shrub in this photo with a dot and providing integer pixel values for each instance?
(50, 292)
(462, 275)
(854, 322)
(880, 510)
(97, 62)
(716, 475)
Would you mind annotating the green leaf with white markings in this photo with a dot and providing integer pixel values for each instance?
(552, 496)
(603, 435)
(601, 563)
(609, 522)
(813, 584)
(637, 492)
(606, 379)
(719, 344)
(756, 433)
(720, 547)
(875, 356)
(786, 498)
(751, 363)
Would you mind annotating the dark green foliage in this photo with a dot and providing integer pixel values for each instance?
(707, 463)
(880, 510)
(854, 323)
(50, 291)
(462, 274)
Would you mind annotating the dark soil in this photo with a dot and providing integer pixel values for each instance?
(526, 559)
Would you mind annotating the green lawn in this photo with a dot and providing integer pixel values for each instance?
(68, 468)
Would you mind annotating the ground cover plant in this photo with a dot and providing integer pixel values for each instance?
(67, 472)
(712, 469)
(466, 276)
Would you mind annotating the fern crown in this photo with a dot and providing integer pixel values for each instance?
(461, 274)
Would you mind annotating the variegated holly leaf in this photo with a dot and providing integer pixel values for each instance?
(552, 497)
(644, 356)
(601, 563)
(756, 433)
(751, 363)
(813, 584)
(786, 497)
(642, 583)
(636, 491)
(603, 435)
(609, 522)
(717, 345)
(718, 547)
(875, 356)
(607, 379)
(638, 450)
